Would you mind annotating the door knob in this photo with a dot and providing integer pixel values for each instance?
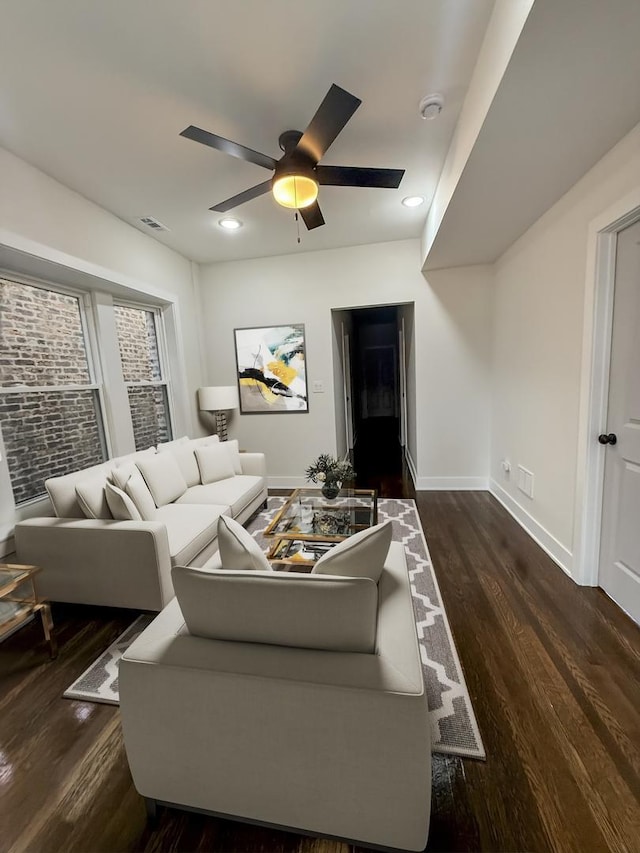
(612, 438)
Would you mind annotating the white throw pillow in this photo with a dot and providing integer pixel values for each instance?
(91, 497)
(184, 455)
(204, 441)
(360, 556)
(130, 480)
(238, 549)
(234, 454)
(121, 506)
(163, 477)
(214, 463)
(280, 608)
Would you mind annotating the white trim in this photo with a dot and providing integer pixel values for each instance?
(452, 484)
(411, 465)
(556, 550)
(594, 385)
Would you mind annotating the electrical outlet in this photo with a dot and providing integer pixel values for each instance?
(318, 386)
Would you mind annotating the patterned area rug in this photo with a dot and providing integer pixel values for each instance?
(99, 683)
(454, 729)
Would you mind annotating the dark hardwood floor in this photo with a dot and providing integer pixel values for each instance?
(553, 671)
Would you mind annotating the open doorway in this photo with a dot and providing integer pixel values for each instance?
(371, 403)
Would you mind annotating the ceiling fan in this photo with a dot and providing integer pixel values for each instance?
(297, 174)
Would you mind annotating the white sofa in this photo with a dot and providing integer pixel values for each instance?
(90, 557)
(321, 726)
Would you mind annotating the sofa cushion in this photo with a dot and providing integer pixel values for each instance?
(203, 441)
(361, 555)
(62, 490)
(235, 492)
(280, 608)
(171, 445)
(238, 549)
(233, 450)
(132, 457)
(184, 455)
(130, 480)
(163, 477)
(189, 529)
(92, 498)
(214, 463)
(121, 506)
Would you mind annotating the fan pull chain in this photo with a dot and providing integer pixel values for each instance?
(298, 225)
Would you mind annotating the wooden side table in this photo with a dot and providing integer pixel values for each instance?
(19, 601)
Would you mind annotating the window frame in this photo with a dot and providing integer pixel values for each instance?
(96, 383)
(163, 357)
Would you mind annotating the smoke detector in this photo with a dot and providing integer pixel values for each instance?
(431, 106)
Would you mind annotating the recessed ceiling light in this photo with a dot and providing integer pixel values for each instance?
(413, 201)
(229, 223)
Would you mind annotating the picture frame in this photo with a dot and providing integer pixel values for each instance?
(271, 369)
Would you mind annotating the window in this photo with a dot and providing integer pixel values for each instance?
(50, 412)
(142, 368)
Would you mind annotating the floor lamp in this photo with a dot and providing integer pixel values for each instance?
(219, 399)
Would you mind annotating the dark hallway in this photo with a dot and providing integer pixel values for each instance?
(379, 459)
(378, 454)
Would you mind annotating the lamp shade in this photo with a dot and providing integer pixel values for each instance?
(218, 398)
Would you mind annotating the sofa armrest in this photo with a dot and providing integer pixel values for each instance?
(254, 463)
(98, 561)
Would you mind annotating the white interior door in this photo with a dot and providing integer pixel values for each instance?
(348, 404)
(620, 538)
(403, 385)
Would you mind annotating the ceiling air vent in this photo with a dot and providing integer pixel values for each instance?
(150, 222)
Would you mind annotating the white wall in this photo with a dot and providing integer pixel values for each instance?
(40, 217)
(51, 232)
(452, 339)
(539, 304)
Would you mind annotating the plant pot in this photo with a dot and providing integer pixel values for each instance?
(330, 490)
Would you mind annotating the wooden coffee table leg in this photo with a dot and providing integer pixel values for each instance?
(47, 627)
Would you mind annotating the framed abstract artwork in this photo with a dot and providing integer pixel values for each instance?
(272, 372)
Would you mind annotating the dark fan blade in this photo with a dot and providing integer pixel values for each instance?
(247, 195)
(312, 216)
(332, 115)
(354, 176)
(233, 148)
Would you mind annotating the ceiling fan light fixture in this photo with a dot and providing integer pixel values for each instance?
(295, 191)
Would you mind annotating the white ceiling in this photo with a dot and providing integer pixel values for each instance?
(95, 95)
(569, 93)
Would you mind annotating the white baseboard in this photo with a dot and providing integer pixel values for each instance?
(555, 549)
(451, 484)
(288, 482)
(7, 546)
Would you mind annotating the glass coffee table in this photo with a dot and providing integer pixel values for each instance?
(309, 524)
(19, 601)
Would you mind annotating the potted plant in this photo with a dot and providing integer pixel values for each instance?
(331, 472)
